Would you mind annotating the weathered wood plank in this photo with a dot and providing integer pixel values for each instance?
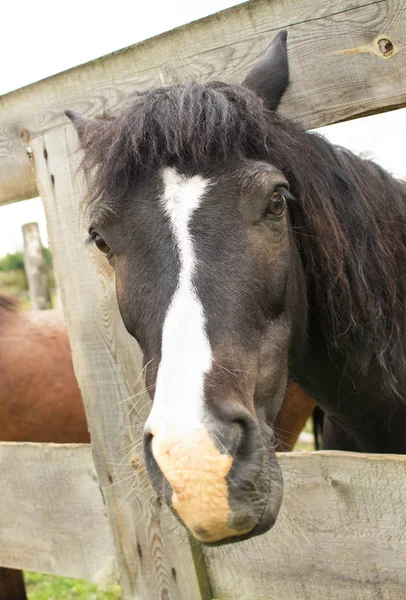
(338, 70)
(52, 515)
(341, 534)
(155, 559)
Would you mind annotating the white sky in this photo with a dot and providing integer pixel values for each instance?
(43, 37)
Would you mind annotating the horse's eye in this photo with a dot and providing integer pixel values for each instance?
(276, 205)
(100, 243)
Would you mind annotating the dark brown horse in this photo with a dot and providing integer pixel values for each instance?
(246, 252)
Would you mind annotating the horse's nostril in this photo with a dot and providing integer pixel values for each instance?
(240, 431)
(247, 452)
(246, 432)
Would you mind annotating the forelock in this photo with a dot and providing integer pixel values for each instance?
(189, 126)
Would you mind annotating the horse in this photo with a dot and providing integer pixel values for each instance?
(40, 400)
(297, 408)
(247, 252)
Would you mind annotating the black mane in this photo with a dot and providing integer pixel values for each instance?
(349, 217)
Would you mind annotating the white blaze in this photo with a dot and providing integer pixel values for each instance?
(186, 352)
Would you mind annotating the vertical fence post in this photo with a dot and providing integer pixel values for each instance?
(154, 555)
(35, 268)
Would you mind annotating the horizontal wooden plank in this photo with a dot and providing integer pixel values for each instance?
(340, 535)
(52, 514)
(338, 70)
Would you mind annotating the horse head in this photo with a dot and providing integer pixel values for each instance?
(192, 214)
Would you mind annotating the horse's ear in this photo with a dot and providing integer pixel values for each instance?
(269, 78)
(81, 123)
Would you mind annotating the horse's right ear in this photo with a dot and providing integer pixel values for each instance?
(269, 78)
(81, 123)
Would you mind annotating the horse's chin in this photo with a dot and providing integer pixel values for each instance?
(269, 513)
(266, 522)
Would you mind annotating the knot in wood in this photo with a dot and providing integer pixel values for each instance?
(136, 464)
(139, 550)
(385, 47)
(25, 136)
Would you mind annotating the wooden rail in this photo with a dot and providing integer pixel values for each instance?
(341, 532)
(347, 57)
(52, 514)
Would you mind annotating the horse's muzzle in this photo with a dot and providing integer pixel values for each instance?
(214, 477)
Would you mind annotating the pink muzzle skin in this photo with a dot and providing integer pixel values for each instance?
(197, 472)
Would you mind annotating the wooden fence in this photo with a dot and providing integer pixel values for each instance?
(341, 533)
(36, 268)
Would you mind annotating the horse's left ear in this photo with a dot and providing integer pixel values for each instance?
(269, 78)
(81, 123)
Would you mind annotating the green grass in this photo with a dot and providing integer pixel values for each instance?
(308, 426)
(50, 587)
(303, 447)
(12, 283)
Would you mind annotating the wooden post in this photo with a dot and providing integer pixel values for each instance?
(35, 268)
(12, 585)
(154, 555)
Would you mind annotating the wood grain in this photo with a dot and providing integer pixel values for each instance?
(340, 535)
(155, 559)
(52, 514)
(338, 71)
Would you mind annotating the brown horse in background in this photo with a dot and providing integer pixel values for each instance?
(297, 407)
(40, 399)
